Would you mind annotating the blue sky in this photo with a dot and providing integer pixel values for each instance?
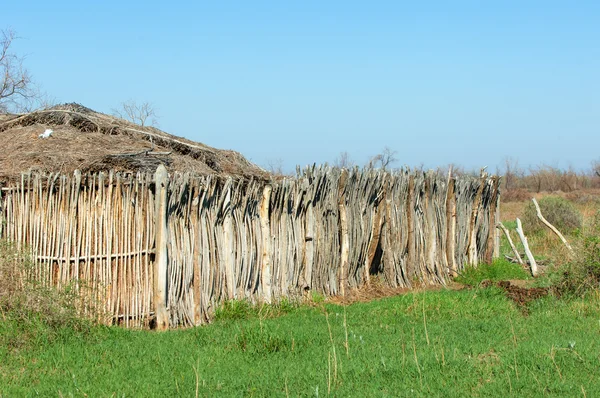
(464, 82)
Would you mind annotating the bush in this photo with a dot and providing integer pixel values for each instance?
(29, 308)
(582, 274)
(558, 211)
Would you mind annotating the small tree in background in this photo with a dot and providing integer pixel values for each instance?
(15, 81)
(143, 114)
(344, 161)
(383, 159)
(596, 167)
(275, 167)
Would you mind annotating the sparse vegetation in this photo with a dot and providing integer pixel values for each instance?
(29, 309)
(558, 211)
(582, 274)
(499, 270)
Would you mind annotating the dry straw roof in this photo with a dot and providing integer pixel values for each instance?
(91, 142)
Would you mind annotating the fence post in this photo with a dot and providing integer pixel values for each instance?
(161, 179)
(451, 225)
(345, 240)
(472, 243)
(497, 219)
(266, 243)
(491, 241)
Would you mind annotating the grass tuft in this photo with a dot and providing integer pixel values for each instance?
(499, 270)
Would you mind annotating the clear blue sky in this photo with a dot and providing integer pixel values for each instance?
(465, 82)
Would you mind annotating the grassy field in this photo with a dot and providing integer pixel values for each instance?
(464, 341)
(437, 343)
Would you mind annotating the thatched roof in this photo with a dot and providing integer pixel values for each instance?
(90, 141)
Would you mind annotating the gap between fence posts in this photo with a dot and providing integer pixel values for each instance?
(161, 179)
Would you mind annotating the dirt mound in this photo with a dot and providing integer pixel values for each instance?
(520, 295)
(90, 141)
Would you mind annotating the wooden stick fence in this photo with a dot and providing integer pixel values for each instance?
(170, 249)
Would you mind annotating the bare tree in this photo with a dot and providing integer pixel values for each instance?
(343, 161)
(137, 113)
(596, 167)
(512, 173)
(275, 167)
(15, 81)
(384, 159)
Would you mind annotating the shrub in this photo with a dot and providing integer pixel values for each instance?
(582, 274)
(29, 308)
(558, 211)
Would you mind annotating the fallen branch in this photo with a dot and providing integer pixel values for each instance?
(552, 227)
(512, 245)
(532, 263)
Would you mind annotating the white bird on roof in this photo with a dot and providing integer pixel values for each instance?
(46, 133)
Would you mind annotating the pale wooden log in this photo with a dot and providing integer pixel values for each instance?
(497, 220)
(411, 265)
(451, 225)
(196, 260)
(266, 243)
(430, 232)
(489, 251)
(552, 227)
(376, 229)
(472, 243)
(345, 239)
(500, 226)
(161, 179)
(532, 263)
(309, 244)
(228, 244)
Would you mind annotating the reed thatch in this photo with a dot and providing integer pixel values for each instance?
(92, 142)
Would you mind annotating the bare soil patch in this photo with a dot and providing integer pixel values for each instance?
(517, 292)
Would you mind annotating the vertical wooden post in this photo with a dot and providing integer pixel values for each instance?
(411, 265)
(472, 244)
(430, 233)
(197, 248)
(228, 237)
(345, 239)
(532, 263)
(497, 221)
(309, 244)
(489, 250)
(377, 234)
(161, 179)
(266, 243)
(451, 225)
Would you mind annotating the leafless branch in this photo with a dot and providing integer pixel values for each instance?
(15, 81)
(343, 161)
(137, 113)
(384, 159)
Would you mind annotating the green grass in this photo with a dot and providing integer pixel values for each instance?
(440, 343)
(499, 270)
